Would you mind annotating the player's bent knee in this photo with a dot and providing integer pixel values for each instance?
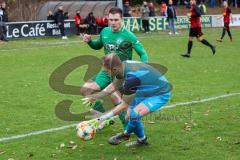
(89, 88)
(84, 91)
(134, 116)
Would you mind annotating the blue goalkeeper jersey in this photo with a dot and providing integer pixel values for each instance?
(144, 80)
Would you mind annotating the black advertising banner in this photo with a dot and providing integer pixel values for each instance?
(38, 29)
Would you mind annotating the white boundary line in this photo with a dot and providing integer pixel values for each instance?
(72, 125)
(202, 100)
(36, 133)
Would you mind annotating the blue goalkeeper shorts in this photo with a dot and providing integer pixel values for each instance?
(153, 103)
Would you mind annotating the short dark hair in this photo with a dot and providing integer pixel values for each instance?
(110, 61)
(116, 10)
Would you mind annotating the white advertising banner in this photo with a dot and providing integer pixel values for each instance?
(236, 20)
(217, 20)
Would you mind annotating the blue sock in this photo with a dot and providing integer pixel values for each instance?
(129, 128)
(135, 125)
(139, 130)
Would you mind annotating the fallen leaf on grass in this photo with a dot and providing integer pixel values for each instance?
(74, 147)
(2, 152)
(219, 138)
(150, 122)
(71, 142)
(187, 127)
(62, 145)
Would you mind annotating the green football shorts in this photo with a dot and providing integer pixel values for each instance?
(103, 79)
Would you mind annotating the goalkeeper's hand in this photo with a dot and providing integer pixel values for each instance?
(88, 101)
(94, 123)
(98, 125)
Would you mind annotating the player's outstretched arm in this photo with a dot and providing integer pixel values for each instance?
(94, 44)
(138, 47)
(112, 87)
(142, 53)
(86, 37)
(115, 111)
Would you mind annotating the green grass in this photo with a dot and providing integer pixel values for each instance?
(27, 102)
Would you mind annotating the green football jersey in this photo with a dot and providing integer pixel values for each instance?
(122, 43)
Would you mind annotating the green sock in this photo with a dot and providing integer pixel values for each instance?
(122, 118)
(98, 106)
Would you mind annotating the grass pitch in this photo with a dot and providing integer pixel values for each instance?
(199, 131)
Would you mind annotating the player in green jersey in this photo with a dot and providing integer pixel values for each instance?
(114, 39)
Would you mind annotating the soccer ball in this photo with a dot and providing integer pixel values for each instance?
(85, 131)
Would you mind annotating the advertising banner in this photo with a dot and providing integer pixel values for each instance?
(37, 29)
(218, 20)
(134, 24)
(161, 23)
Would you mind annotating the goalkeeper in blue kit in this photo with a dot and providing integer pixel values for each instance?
(151, 92)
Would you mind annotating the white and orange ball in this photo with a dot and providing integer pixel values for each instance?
(85, 131)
